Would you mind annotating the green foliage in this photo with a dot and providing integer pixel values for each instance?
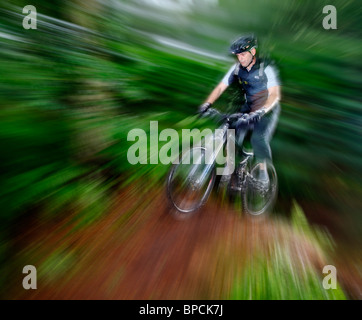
(283, 275)
(280, 278)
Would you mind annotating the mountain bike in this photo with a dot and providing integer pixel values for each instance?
(192, 178)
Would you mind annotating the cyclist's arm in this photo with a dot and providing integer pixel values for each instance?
(273, 98)
(221, 87)
(273, 86)
(217, 92)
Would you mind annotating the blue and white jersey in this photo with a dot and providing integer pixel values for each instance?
(254, 82)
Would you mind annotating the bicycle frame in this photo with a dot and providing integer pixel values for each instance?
(223, 140)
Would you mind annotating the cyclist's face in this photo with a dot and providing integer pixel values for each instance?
(245, 58)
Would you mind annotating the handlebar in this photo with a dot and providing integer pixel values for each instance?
(240, 118)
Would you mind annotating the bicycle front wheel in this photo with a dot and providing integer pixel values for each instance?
(190, 182)
(258, 198)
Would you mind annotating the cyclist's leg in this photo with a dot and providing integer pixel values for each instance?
(262, 134)
(260, 140)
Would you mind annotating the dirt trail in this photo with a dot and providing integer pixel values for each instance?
(139, 251)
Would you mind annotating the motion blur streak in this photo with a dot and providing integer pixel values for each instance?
(96, 226)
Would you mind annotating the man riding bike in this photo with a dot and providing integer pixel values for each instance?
(258, 80)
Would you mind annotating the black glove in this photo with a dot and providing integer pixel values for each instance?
(257, 115)
(204, 107)
(242, 119)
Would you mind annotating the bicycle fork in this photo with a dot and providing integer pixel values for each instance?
(217, 140)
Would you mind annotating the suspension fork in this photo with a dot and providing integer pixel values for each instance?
(217, 141)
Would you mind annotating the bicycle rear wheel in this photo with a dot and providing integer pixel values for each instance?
(257, 198)
(190, 182)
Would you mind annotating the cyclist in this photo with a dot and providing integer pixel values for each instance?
(258, 80)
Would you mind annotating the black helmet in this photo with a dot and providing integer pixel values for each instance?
(244, 43)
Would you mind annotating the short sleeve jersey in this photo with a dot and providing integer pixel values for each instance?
(255, 82)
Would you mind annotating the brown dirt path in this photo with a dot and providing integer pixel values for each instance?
(139, 251)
